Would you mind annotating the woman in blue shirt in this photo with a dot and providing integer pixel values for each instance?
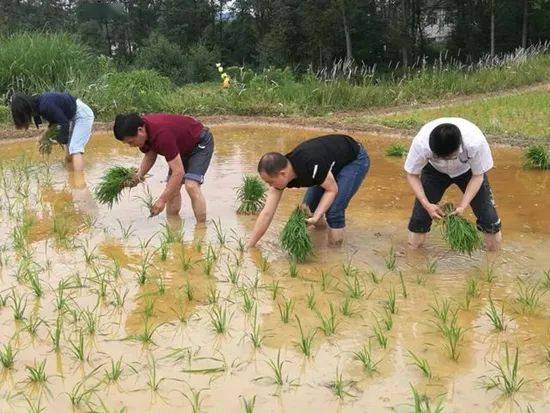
(73, 118)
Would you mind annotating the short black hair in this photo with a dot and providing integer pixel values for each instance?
(272, 163)
(445, 139)
(127, 125)
(22, 110)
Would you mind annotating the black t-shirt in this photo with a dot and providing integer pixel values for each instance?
(313, 159)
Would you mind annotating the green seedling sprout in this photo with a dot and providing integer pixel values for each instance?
(251, 195)
(295, 238)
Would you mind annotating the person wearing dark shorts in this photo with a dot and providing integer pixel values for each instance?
(186, 144)
(332, 167)
(450, 151)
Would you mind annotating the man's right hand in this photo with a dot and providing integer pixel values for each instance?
(434, 211)
(133, 181)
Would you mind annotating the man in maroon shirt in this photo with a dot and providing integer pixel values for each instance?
(187, 146)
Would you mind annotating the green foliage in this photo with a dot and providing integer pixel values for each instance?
(295, 238)
(396, 149)
(460, 234)
(537, 157)
(166, 58)
(112, 183)
(48, 140)
(251, 195)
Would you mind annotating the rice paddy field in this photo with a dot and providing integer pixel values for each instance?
(108, 310)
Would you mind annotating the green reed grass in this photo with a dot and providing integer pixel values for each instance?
(295, 238)
(396, 149)
(506, 377)
(112, 183)
(537, 157)
(251, 195)
(460, 234)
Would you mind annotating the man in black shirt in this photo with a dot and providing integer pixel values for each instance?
(332, 167)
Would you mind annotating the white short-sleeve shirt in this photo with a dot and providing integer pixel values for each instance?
(474, 153)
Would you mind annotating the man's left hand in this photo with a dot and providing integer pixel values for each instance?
(459, 210)
(312, 221)
(158, 207)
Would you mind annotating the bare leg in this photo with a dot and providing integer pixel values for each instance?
(335, 236)
(416, 240)
(78, 162)
(173, 206)
(493, 241)
(198, 202)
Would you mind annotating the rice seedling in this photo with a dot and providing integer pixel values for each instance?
(256, 336)
(264, 265)
(431, 266)
(459, 233)
(472, 291)
(311, 299)
(163, 250)
(114, 372)
(112, 183)
(305, 342)
(55, 335)
(274, 287)
(387, 320)
(374, 277)
(37, 373)
(420, 279)
(403, 287)
(454, 335)
(126, 231)
(390, 303)
(213, 295)
(339, 385)
(18, 306)
(529, 297)
(277, 367)
(195, 400)
(380, 336)
(60, 299)
(441, 310)
(496, 317)
(77, 348)
(537, 157)
(79, 394)
(423, 404)
(47, 140)
(90, 257)
(488, 272)
(285, 311)
(396, 149)
(62, 230)
(208, 263)
(220, 234)
(422, 364)
(233, 274)
(143, 268)
(364, 356)
(248, 405)
(391, 259)
(36, 286)
(251, 195)
(325, 281)
(219, 319)
(161, 285)
(355, 287)
(546, 280)
(146, 337)
(349, 269)
(328, 322)
(506, 377)
(34, 407)
(293, 269)
(3, 300)
(32, 324)
(153, 381)
(295, 238)
(149, 307)
(188, 291)
(547, 354)
(7, 356)
(248, 301)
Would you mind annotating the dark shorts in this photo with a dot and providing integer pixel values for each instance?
(197, 162)
(436, 183)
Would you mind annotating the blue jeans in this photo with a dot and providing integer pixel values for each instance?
(349, 180)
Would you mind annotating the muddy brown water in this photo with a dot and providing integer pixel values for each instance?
(65, 226)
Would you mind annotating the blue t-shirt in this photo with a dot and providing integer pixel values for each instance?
(56, 108)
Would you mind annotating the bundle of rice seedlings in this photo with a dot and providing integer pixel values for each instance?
(251, 195)
(459, 233)
(537, 157)
(112, 183)
(47, 140)
(396, 149)
(294, 236)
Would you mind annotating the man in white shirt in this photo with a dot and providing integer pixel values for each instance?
(451, 151)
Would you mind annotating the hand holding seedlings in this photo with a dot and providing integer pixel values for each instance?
(158, 207)
(47, 140)
(112, 183)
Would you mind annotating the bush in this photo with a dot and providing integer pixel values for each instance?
(159, 54)
(35, 62)
(200, 63)
(133, 91)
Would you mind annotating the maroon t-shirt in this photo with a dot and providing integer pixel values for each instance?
(170, 135)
